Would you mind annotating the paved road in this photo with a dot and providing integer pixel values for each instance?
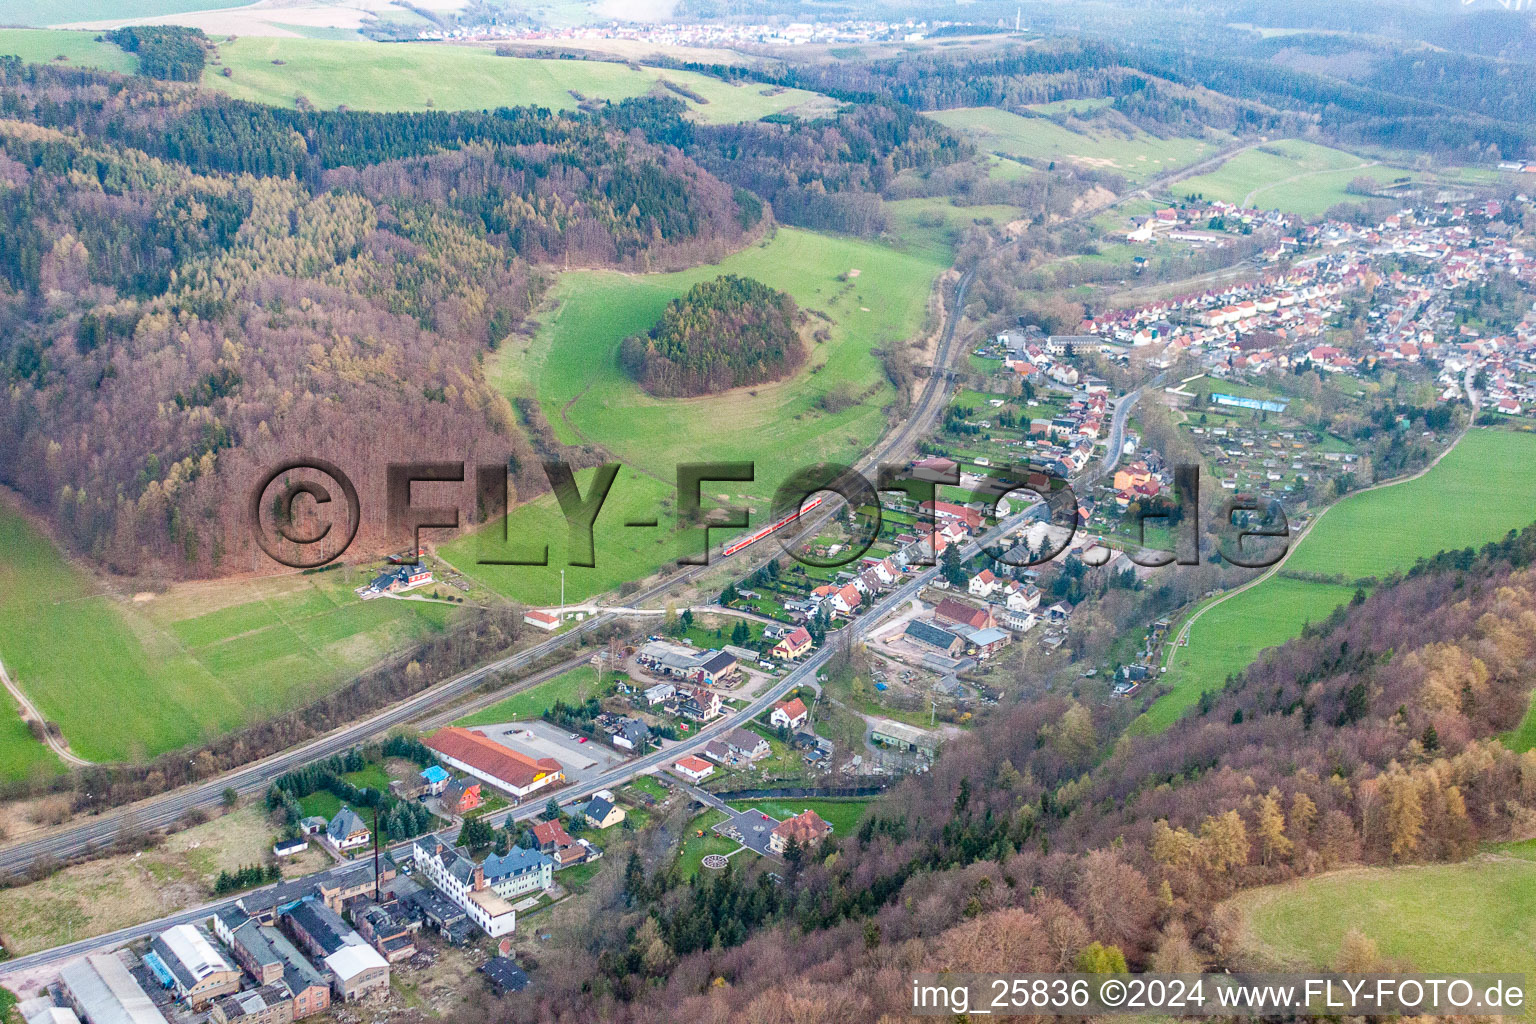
(804, 674)
(164, 810)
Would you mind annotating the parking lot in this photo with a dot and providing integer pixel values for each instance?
(750, 828)
(537, 738)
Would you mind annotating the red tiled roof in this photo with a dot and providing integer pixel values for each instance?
(694, 764)
(484, 754)
(794, 707)
(552, 832)
(805, 828)
(958, 611)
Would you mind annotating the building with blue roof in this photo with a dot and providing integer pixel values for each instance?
(521, 870)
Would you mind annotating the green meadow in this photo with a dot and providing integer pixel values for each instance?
(1479, 492)
(52, 12)
(1290, 175)
(365, 75)
(932, 227)
(1482, 489)
(1134, 154)
(571, 368)
(79, 49)
(127, 679)
(1475, 916)
(573, 687)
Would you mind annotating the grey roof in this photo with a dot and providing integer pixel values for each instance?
(719, 663)
(634, 730)
(518, 861)
(505, 974)
(345, 824)
(744, 739)
(322, 924)
(107, 994)
(930, 634)
(598, 808)
(243, 1004)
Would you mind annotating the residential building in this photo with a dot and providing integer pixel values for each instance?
(346, 831)
(463, 882)
(806, 828)
(555, 841)
(983, 584)
(399, 578)
(789, 714)
(508, 770)
(794, 645)
(631, 734)
(601, 813)
(520, 871)
(718, 670)
(747, 745)
(435, 779)
(699, 704)
(185, 960)
(660, 693)
(695, 769)
(462, 796)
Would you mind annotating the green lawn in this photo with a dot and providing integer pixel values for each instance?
(1455, 918)
(842, 815)
(646, 784)
(1136, 155)
(1483, 488)
(44, 46)
(690, 857)
(366, 75)
(128, 679)
(573, 687)
(21, 756)
(571, 367)
(1296, 177)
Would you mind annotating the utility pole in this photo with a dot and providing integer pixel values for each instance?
(377, 884)
(562, 595)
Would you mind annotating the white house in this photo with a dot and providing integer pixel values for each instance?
(542, 620)
(789, 714)
(984, 583)
(695, 768)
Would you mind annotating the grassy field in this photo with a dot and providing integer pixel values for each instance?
(573, 687)
(366, 75)
(1227, 639)
(1137, 155)
(1081, 106)
(133, 678)
(80, 49)
(571, 368)
(842, 815)
(932, 227)
(52, 12)
(1473, 916)
(1482, 489)
(1291, 175)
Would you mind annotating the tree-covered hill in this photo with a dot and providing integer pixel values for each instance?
(193, 288)
(725, 333)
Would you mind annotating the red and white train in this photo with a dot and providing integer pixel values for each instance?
(736, 546)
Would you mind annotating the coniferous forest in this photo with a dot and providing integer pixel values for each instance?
(724, 333)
